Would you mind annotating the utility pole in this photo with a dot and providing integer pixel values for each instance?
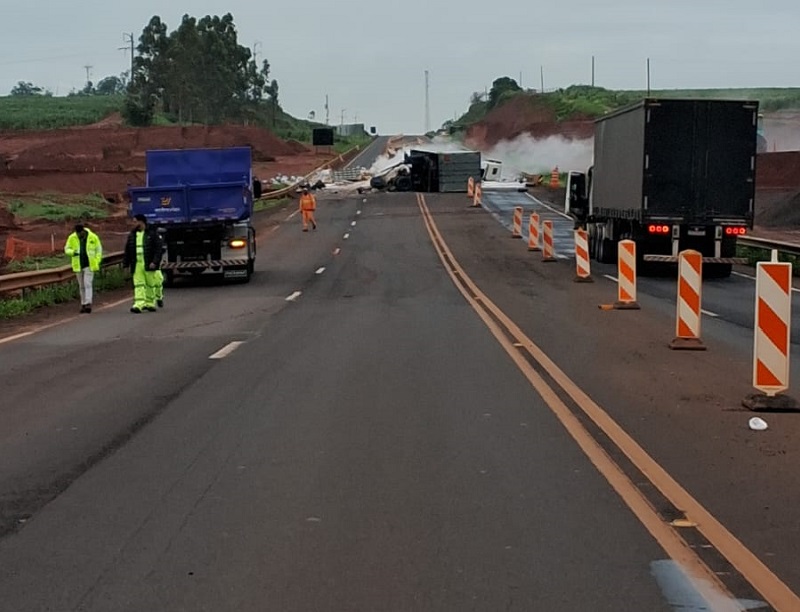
(427, 103)
(128, 38)
(327, 111)
(520, 78)
(88, 68)
(648, 77)
(344, 109)
(593, 71)
(255, 53)
(541, 74)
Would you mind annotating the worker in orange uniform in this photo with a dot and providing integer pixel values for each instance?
(308, 204)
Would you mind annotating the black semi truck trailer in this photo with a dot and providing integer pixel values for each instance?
(670, 174)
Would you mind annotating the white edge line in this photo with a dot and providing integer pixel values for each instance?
(294, 296)
(39, 330)
(555, 210)
(613, 279)
(709, 313)
(321, 270)
(226, 350)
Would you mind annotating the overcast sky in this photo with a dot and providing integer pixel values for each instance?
(370, 58)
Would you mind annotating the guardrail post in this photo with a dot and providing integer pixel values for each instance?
(773, 325)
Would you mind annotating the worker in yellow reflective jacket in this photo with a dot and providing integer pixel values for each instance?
(86, 254)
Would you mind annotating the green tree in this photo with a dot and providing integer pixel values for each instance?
(501, 88)
(198, 73)
(110, 86)
(26, 88)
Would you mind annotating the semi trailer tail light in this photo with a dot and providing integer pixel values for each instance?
(237, 243)
(735, 231)
(659, 229)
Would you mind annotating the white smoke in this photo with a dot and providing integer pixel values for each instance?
(539, 156)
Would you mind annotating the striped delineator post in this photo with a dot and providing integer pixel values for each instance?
(477, 199)
(533, 233)
(549, 252)
(626, 276)
(773, 324)
(690, 299)
(471, 188)
(516, 229)
(583, 270)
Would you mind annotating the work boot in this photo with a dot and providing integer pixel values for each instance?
(136, 310)
(315, 226)
(83, 308)
(151, 309)
(305, 229)
(88, 309)
(160, 303)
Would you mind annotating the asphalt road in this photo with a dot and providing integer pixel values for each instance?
(731, 299)
(370, 155)
(368, 444)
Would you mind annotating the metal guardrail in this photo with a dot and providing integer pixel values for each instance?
(765, 243)
(39, 278)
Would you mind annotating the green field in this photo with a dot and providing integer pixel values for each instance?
(49, 112)
(58, 208)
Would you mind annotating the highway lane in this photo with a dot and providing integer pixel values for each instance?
(369, 446)
(731, 299)
(683, 407)
(75, 393)
(370, 154)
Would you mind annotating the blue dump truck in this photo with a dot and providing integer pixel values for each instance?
(202, 202)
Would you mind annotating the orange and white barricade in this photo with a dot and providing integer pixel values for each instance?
(471, 188)
(555, 179)
(516, 230)
(549, 252)
(626, 276)
(533, 233)
(690, 299)
(477, 198)
(583, 271)
(773, 325)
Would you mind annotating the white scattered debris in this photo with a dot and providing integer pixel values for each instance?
(757, 424)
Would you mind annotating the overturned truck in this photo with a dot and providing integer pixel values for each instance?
(431, 171)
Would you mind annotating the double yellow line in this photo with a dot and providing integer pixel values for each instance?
(521, 348)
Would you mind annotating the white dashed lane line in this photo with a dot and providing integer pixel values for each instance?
(294, 296)
(226, 350)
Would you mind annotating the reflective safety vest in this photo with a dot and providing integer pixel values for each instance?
(308, 202)
(94, 250)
